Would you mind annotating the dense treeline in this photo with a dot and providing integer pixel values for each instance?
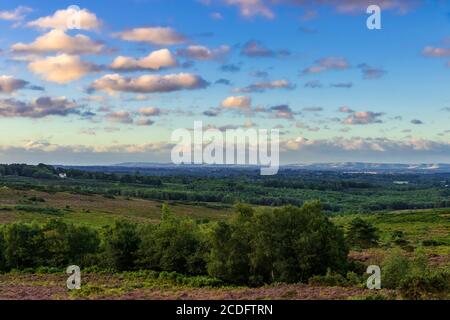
(43, 171)
(289, 244)
(339, 192)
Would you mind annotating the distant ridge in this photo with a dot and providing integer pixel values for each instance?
(366, 167)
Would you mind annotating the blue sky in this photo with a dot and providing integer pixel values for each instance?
(336, 90)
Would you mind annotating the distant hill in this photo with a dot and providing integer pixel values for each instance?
(360, 167)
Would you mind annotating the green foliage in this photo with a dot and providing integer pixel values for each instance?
(394, 269)
(33, 209)
(282, 245)
(121, 243)
(362, 234)
(414, 278)
(55, 244)
(333, 279)
(2, 252)
(173, 245)
(427, 285)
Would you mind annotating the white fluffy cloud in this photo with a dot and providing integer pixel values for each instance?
(150, 111)
(436, 52)
(120, 117)
(326, 64)
(149, 83)
(59, 41)
(156, 35)
(263, 86)
(264, 8)
(62, 20)
(17, 14)
(156, 60)
(62, 68)
(196, 52)
(363, 117)
(237, 102)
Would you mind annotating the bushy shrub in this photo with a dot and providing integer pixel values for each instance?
(394, 269)
(413, 277)
(428, 285)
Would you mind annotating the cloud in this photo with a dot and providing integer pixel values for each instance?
(9, 84)
(346, 110)
(58, 41)
(370, 73)
(155, 35)
(38, 108)
(364, 117)
(150, 111)
(436, 52)
(282, 111)
(237, 102)
(223, 81)
(120, 117)
(259, 74)
(304, 126)
(62, 68)
(145, 122)
(255, 49)
(364, 148)
(149, 83)
(156, 60)
(313, 84)
(312, 109)
(61, 20)
(326, 64)
(416, 121)
(216, 16)
(360, 6)
(196, 52)
(264, 8)
(230, 68)
(263, 86)
(344, 85)
(250, 8)
(211, 113)
(18, 14)
(301, 149)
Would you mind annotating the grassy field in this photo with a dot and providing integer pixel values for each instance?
(92, 210)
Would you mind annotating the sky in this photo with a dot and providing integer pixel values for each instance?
(112, 85)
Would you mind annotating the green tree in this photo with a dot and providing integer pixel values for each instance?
(289, 244)
(362, 234)
(174, 245)
(23, 245)
(121, 243)
(2, 251)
